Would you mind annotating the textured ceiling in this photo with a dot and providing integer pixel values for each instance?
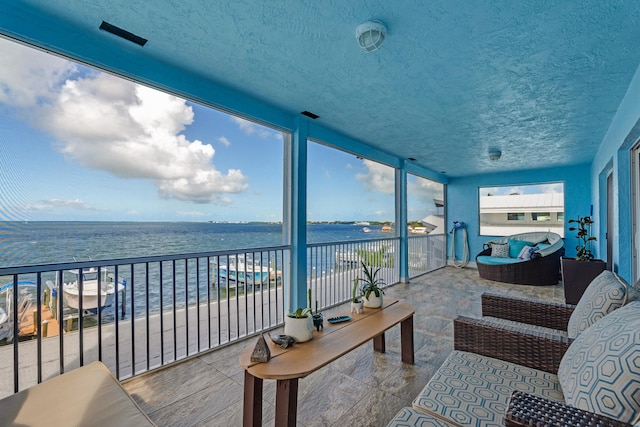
(540, 81)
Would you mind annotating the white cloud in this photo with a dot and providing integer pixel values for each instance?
(224, 141)
(28, 76)
(251, 128)
(114, 125)
(378, 178)
(75, 204)
(426, 189)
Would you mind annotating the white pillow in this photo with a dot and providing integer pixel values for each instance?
(526, 252)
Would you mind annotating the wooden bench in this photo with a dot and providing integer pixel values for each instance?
(335, 340)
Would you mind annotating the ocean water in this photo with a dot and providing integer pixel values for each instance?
(34, 243)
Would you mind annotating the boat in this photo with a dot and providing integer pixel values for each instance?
(241, 272)
(108, 289)
(366, 229)
(26, 291)
(387, 229)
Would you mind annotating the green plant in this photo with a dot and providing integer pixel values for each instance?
(584, 237)
(371, 283)
(300, 313)
(354, 297)
(309, 298)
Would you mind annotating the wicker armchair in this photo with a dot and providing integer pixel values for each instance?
(533, 312)
(532, 349)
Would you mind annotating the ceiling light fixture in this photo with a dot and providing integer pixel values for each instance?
(495, 154)
(371, 35)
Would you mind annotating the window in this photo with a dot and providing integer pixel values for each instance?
(541, 216)
(518, 209)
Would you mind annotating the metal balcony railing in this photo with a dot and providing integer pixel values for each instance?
(139, 314)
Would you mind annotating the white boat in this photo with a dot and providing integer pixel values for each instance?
(108, 289)
(26, 290)
(366, 229)
(250, 274)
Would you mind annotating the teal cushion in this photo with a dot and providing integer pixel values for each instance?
(600, 372)
(604, 294)
(494, 260)
(515, 246)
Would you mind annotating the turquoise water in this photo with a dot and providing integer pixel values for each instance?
(57, 242)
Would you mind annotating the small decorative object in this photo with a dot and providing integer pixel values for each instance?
(371, 289)
(261, 352)
(579, 272)
(317, 317)
(356, 302)
(283, 341)
(317, 321)
(339, 319)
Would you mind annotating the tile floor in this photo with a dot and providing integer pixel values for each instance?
(362, 388)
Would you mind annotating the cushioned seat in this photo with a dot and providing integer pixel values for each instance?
(87, 396)
(470, 389)
(493, 260)
(409, 417)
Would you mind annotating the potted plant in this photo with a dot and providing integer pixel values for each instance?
(299, 324)
(356, 302)
(371, 288)
(578, 272)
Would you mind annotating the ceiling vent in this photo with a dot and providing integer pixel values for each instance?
(117, 31)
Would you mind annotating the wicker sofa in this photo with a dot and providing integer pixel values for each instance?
(542, 268)
(515, 373)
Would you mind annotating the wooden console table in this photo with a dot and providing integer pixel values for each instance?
(288, 365)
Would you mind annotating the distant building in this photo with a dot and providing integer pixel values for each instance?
(521, 213)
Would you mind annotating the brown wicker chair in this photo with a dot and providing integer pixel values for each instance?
(542, 269)
(535, 350)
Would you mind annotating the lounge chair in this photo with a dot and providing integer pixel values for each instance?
(523, 259)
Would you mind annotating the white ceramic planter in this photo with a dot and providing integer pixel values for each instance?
(300, 329)
(356, 307)
(373, 301)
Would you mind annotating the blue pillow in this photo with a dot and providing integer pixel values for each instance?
(515, 247)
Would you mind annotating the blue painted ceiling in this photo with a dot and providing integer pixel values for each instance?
(540, 81)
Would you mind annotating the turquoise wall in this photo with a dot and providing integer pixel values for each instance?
(613, 157)
(462, 200)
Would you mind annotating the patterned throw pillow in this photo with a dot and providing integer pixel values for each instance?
(526, 252)
(600, 372)
(500, 250)
(515, 246)
(604, 294)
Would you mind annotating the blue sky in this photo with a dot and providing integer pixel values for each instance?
(78, 144)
